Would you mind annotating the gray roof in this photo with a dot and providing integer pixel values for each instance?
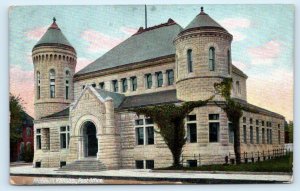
(203, 20)
(117, 98)
(238, 71)
(62, 113)
(53, 36)
(149, 99)
(146, 44)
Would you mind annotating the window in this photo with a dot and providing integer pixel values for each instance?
(52, 83)
(149, 164)
(238, 87)
(279, 137)
(214, 126)
(133, 83)
(257, 135)
(212, 59)
(38, 77)
(159, 77)
(93, 85)
(263, 135)
(28, 131)
(38, 164)
(251, 134)
(228, 61)
(148, 81)
(262, 123)
(268, 136)
(190, 60)
(191, 118)
(144, 130)
(102, 85)
(192, 132)
(251, 121)
(192, 163)
(245, 133)
(257, 122)
(38, 139)
(271, 137)
(83, 86)
(67, 79)
(62, 163)
(115, 86)
(124, 85)
(213, 116)
(230, 133)
(22, 150)
(67, 89)
(170, 75)
(244, 119)
(64, 137)
(139, 164)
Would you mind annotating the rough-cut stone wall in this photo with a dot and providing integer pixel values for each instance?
(243, 87)
(60, 59)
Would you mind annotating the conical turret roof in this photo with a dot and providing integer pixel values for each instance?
(53, 36)
(202, 20)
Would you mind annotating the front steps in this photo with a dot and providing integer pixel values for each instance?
(91, 165)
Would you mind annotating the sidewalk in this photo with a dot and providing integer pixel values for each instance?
(148, 175)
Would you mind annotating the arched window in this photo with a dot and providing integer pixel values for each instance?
(67, 78)
(238, 87)
(52, 83)
(38, 82)
(212, 59)
(28, 131)
(190, 60)
(228, 61)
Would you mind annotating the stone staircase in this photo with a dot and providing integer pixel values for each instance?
(91, 165)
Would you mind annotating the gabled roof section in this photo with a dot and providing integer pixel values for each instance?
(150, 43)
(238, 71)
(53, 36)
(117, 98)
(62, 113)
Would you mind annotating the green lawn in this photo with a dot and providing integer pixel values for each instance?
(282, 164)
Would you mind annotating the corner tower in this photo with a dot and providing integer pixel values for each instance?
(203, 57)
(54, 61)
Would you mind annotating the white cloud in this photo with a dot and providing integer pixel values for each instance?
(234, 24)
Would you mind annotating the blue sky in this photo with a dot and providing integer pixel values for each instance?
(262, 46)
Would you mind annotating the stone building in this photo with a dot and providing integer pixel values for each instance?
(82, 118)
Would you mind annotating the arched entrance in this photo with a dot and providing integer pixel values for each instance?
(90, 141)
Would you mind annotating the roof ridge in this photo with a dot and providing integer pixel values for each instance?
(168, 23)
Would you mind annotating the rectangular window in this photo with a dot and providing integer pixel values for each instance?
(263, 136)
(150, 135)
(67, 92)
(170, 74)
(257, 135)
(124, 85)
(245, 133)
(133, 83)
(38, 92)
(83, 86)
(52, 91)
(257, 122)
(38, 164)
(251, 120)
(64, 137)
(244, 119)
(214, 132)
(268, 136)
(191, 118)
(159, 77)
(139, 122)
(190, 60)
(148, 78)
(230, 133)
(93, 85)
(262, 123)
(213, 116)
(279, 141)
(115, 85)
(139, 164)
(102, 85)
(140, 135)
(192, 163)
(149, 164)
(192, 132)
(62, 163)
(38, 139)
(271, 137)
(251, 134)
(148, 121)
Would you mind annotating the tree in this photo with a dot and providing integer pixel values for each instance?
(16, 113)
(169, 119)
(234, 111)
(289, 128)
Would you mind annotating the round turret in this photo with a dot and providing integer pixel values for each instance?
(54, 61)
(203, 57)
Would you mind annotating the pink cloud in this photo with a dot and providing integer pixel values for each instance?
(98, 41)
(81, 63)
(36, 33)
(234, 24)
(22, 84)
(266, 53)
(128, 30)
(273, 92)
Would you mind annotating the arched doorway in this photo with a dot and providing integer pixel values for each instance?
(90, 142)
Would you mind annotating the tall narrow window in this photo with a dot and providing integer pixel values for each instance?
(38, 79)
(212, 59)
(263, 136)
(38, 139)
(245, 133)
(133, 83)
(67, 84)
(228, 61)
(214, 127)
(257, 135)
(148, 78)
(159, 77)
(251, 134)
(144, 131)
(124, 85)
(64, 137)
(101, 85)
(115, 85)
(279, 141)
(237, 87)
(190, 60)
(170, 74)
(230, 133)
(191, 128)
(52, 83)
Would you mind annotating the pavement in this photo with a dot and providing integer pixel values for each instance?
(156, 177)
